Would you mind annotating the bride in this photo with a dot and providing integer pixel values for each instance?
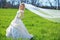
(17, 28)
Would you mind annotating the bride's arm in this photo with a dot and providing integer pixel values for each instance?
(21, 15)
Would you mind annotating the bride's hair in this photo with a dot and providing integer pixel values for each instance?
(23, 6)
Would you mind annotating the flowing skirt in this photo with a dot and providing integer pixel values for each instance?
(17, 30)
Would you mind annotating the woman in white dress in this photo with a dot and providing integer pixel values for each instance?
(17, 28)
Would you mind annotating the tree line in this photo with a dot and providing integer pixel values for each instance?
(38, 3)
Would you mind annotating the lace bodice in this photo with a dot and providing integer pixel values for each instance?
(19, 13)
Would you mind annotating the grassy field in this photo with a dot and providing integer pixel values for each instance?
(41, 28)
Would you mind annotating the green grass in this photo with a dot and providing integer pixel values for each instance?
(41, 28)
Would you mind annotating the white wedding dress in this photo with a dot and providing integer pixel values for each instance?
(17, 28)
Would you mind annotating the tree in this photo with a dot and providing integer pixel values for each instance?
(58, 4)
(3, 3)
(50, 3)
(22, 1)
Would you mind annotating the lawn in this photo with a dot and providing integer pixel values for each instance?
(41, 28)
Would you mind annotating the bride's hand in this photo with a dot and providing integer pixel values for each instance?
(22, 15)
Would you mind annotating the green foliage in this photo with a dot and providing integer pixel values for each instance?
(40, 28)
